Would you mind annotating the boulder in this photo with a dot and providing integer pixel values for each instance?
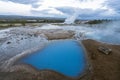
(105, 50)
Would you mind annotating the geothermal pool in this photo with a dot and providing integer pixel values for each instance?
(66, 57)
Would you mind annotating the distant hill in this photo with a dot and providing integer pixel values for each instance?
(12, 17)
(29, 19)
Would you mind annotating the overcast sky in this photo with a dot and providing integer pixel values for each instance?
(84, 9)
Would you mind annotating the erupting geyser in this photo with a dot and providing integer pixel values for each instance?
(75, 15)
(71, 19)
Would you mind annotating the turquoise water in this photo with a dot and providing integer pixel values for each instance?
(66, 57)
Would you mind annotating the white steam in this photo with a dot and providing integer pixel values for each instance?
(71, 19)
(106, 32)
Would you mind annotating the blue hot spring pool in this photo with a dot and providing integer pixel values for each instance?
(66, 57)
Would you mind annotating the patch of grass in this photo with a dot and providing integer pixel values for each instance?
(97, 21)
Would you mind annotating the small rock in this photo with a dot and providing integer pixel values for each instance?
(8, 42)
(105, 50)
(21, 38)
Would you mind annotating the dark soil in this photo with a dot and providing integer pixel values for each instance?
(103, 67)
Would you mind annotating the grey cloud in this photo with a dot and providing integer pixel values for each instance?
(114, 4)
(66, 10)
(46, 13)
(42, 11)
(35, 5)
(32, 2)
(82, 13)
(24, 1)
(91, 14)
(99, 13)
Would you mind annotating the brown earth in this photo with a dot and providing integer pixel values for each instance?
(53, 34)
(101, 66)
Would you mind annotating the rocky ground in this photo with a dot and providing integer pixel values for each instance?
(101, 66)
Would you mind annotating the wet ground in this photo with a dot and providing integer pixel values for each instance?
(102, 67)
